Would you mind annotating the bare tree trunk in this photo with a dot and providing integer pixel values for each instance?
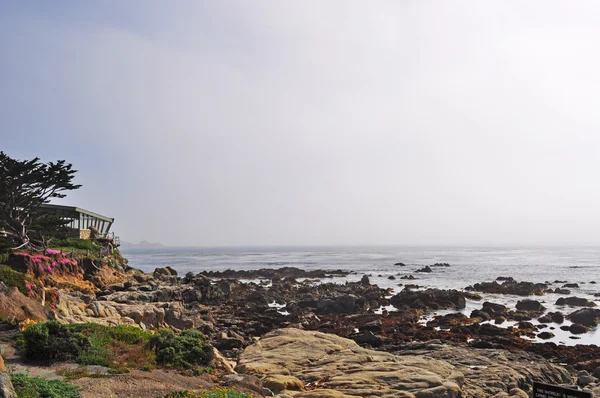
(17, 230)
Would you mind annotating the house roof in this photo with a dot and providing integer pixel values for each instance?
(75, 211)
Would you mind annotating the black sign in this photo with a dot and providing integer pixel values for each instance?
(549, 391)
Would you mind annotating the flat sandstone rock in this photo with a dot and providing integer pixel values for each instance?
(313, 364)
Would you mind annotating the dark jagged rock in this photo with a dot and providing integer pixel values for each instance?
(165, 271)
(449, 320)
(575, 302)
(510, 287)
(571, 285)
(367, 337)
(482, 315)
(550, 317)
(577, 328)
(426, 269)
(520, 315)
(440, 265)
(494, 309)
(561, 291)
(410, 277)
(373, 326)
(411, 286)
(530, 305)
(473, 296)
(527, 309)
(545, 335)
(430, 299)
(365, 280)
(585, 316)
(400, 264)
(391, 277)
(525, 325)
(340, 305)
(505, 278)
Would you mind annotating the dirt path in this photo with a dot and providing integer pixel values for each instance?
(140, 384)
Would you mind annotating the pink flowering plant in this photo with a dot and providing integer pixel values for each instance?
(29, 282)
(40, 264)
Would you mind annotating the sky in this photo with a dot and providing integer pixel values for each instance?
(311, 122)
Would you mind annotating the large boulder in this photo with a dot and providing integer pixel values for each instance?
(575, 302)
(530, 305)
(550, 317)
(344, 304)
(578, 329)
(494, 309)
(148, 315)
(15, 305)
(491, 371)
(289, 359)
(585, 316)
(165, 274)
(480, 315)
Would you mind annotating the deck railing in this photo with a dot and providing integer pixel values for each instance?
(115, 240)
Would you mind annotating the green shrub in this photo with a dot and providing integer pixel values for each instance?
(34, 387)
(212, 393)
(108, 341)
(78, 373)
(53, 341)
(4, 258)
(88, 344)
(95, 355)
(10, 277)
(184, 351)
(147, 367)
(117, 347)
(6, 245)
(74, 243)
(130, 334)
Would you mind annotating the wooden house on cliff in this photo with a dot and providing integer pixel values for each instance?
(84, 224)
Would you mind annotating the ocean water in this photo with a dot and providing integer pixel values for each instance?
(469, 265)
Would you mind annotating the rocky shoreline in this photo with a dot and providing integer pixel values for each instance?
(266, 324)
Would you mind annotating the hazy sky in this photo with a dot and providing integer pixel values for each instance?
(314, 122)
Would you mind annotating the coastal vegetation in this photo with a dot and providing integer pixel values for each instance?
(212, 393)
(13, 278)
(119, 348)
(35, 387)
(186, 350)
